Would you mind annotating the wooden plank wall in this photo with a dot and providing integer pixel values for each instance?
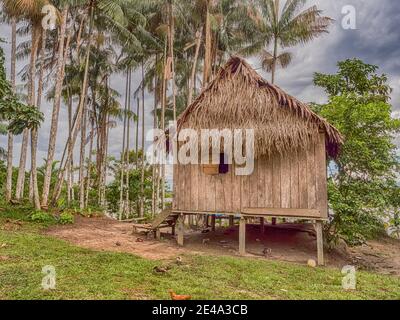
(293, 181)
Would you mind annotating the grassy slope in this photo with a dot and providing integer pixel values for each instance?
(86, 274)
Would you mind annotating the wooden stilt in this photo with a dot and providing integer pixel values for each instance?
(242, 236)
(180, 230)
(231, 221)
(262, 225)
(158, 234)
(213, 219)
(320, 243)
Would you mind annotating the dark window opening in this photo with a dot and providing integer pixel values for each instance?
(223, 164)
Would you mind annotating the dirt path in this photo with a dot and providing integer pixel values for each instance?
(109, 235)
(294, 243)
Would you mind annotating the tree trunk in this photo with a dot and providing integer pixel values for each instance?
(56, 108)
(155, 125)
(19, 188)
(275, 44)
(208, 49)
(34, 132)
(171, 40)
(127, 200)
(36, 198)
(123, 152)
(163, 109)
(199, 36)
(104, 169)
(142, 200)
(10, 148)
(70, 174)
(82, 161)
(88, 177)
(137, 148)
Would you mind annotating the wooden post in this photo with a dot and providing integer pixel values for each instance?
(320, 243)
(242, 236)
(180, 231)
(274, 221)
(231, 221)
(158, 234)
(262, 226)
(213, 218)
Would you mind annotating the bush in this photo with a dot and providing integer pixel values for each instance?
(42, 217)
(66, 218)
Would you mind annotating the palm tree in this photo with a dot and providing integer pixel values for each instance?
(10, 135)
(285, 28)
(113, 17)
(31, 11)
(56, 107)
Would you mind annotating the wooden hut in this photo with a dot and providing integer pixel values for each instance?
(291, 147)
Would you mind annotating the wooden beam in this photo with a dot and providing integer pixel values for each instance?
(320, 243)
(273, 212)
(242, 236)
(180, 229)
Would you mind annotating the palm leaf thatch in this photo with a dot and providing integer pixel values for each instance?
(239, 98)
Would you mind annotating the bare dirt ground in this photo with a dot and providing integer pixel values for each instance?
(285, 242)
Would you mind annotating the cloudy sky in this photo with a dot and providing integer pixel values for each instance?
(376, 40)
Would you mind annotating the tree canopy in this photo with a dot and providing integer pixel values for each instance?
(363, 184)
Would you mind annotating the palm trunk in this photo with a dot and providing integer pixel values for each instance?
(79, 114)
(70, 164)
(274, 61)
(123, 152)
(163, 109)
(154, 169)
(143, 153)
(128, 145)
(82, 162)
(101, 154)
(137, 204)
(104, 168)
(10, 142)
(88, 177)
(275, 45)
(35, 189)
(33, 185)
(208, 49)
(19, 188)
(171, 38)
(56, 109)
(192, 86)
(41, 70)
(34, 133)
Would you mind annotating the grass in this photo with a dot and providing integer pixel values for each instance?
(87, 274)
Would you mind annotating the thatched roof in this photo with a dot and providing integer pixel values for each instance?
(239, 98)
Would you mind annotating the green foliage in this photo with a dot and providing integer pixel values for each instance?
(113, 189)
(18, 115)
(363, 178)
(66, 218)
(354, 76)
(42, 217)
